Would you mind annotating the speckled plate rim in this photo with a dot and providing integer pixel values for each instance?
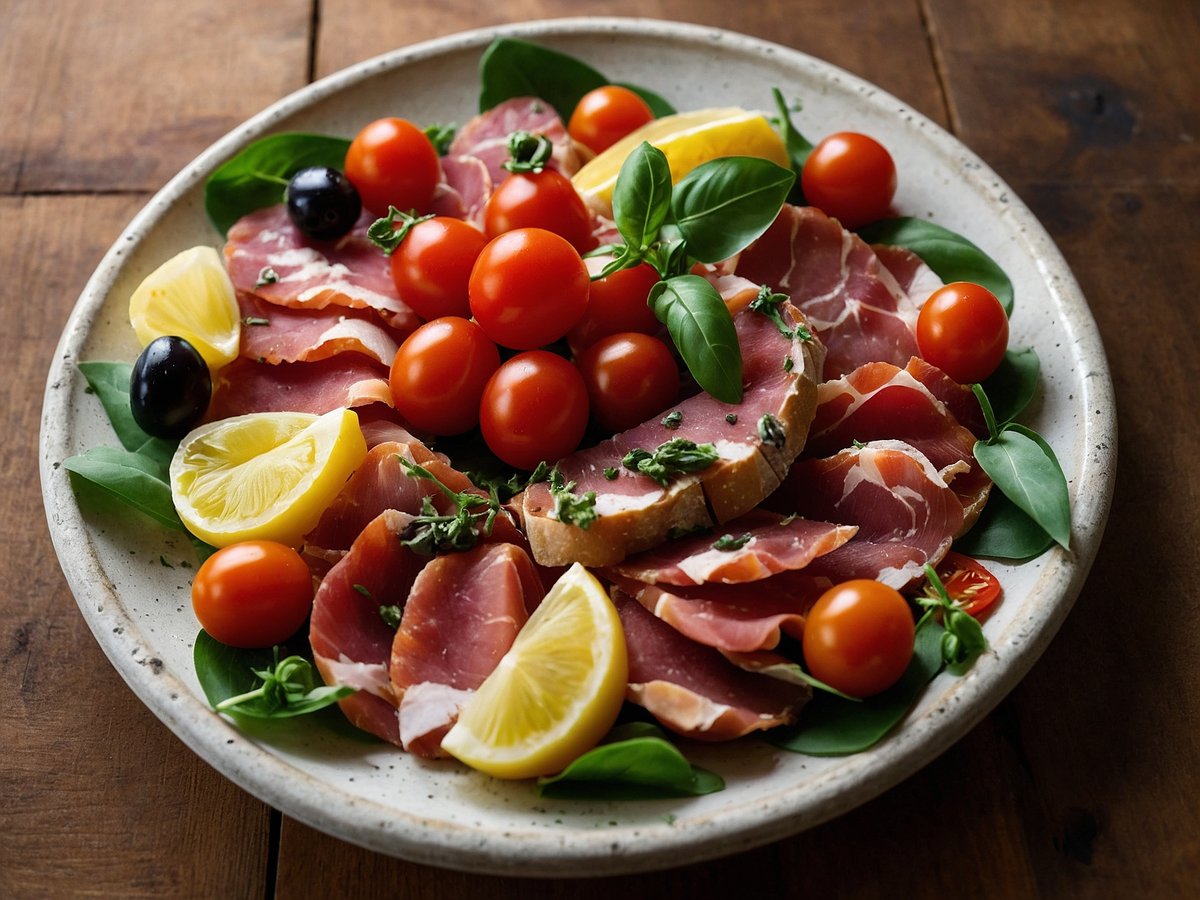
(956, 707)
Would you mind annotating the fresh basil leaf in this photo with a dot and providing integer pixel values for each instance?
(636, 762)
(641, 196)
(786, 670)
(950, 255)
(136, 480)
(658, 105)
(513, 68)
(830, 726)
(798, 146)
(257, 176)
(1004, 531)
(724, 204)
(159, 451)
(110, 382)
(702, 329)
(1012, 386)
(1025, 469)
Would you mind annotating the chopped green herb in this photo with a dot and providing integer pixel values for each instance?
(255, 320)
(431, 532)
(770, 431)
(675, 457)
(611, 473)
(672, 420)
(731, 418)
(729, 543)
(266, 275)
(391, 615)
(767, 303)
(362, 590)
(441, 136)
(528, 152)
(788, 364)
(570, 508)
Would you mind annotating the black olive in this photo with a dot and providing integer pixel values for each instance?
(322, 203)
(170, 388)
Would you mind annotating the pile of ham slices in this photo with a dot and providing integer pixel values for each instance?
(867, 471)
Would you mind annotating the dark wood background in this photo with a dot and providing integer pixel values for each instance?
(1085, 782)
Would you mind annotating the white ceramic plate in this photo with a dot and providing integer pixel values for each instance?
(440, 813)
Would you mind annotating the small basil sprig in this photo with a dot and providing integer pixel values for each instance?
(962, 640)
(432, 532)
(514, 68)
(257, 176)
(1023, 466)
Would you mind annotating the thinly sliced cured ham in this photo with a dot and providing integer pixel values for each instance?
(268, 256)
(910, 271)
(277, 334)
(345, 380)
(958, 398)
(854, 303)
(463, 613)
(351, 643)
(906, 514)
(464, 189)
(692, 689)
(486, 136)
(763, 544)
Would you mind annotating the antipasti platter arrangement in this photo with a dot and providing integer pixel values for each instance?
(580, 447)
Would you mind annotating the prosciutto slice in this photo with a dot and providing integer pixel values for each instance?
(766, 544)
(276, 334)
(351, 643)
(906, 514)
(910, 271)
(854, 303)
(692, 689)
(485, 137)
(463, 613)
(268, 257)
(464, 189)
(345, 380)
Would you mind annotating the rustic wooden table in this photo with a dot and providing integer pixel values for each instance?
(1084, 782)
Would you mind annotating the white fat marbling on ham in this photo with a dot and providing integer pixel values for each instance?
(910, 271)
(485, 137)
(427, 711)
(854, 303)
(464, 189)
(345, 380)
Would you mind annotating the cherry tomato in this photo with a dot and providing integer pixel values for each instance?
(392, 163)
(604, 116)
(851, 177)
(629, 378)
(252, 594)
(858, 637)
(968, 582)
(534, 408)
(439, 373)
(616, 303)
(528, 288)
(963, 330)
(432, 266)
(544, 199)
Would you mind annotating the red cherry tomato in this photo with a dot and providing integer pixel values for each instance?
(968, 582)
(392, 163)
(534, 408)
(630, 377)
(252, 594)
(528, 288)
(432, 266)
(851, 177)
(963, 330)
(604, 116)
(439, 373)
(544, 199)
(616, 303)
(858, 637)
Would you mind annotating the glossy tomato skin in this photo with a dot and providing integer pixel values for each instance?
(858, 637)
(544, 199)
(616, 303)
(528, 288)
(252, 594)
(967, 581)
(605, 115)
(534, 408)
(630, 377)
(439, 373)
(432, 266)
(850, 177)
(963, 330)
(392, 163)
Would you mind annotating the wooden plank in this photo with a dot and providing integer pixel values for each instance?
(99, 797)
(121, 95)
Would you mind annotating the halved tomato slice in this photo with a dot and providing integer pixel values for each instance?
(968, 582)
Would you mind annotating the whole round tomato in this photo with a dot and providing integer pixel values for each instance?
(534, 408)
(392, 163)
(432, 266)
(528, 287)
(630, 377)
(544, 199)
(851, 177)
(858, 637)
(439, 373)
(605, 115)
(968, 582)
(963, 330)
(252, 594)
(616, 303)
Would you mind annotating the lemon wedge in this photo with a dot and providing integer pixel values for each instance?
(190, 295)
(555, 693)
(264, 475)
(687, 139)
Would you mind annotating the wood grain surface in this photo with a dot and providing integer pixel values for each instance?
(1084, 782)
